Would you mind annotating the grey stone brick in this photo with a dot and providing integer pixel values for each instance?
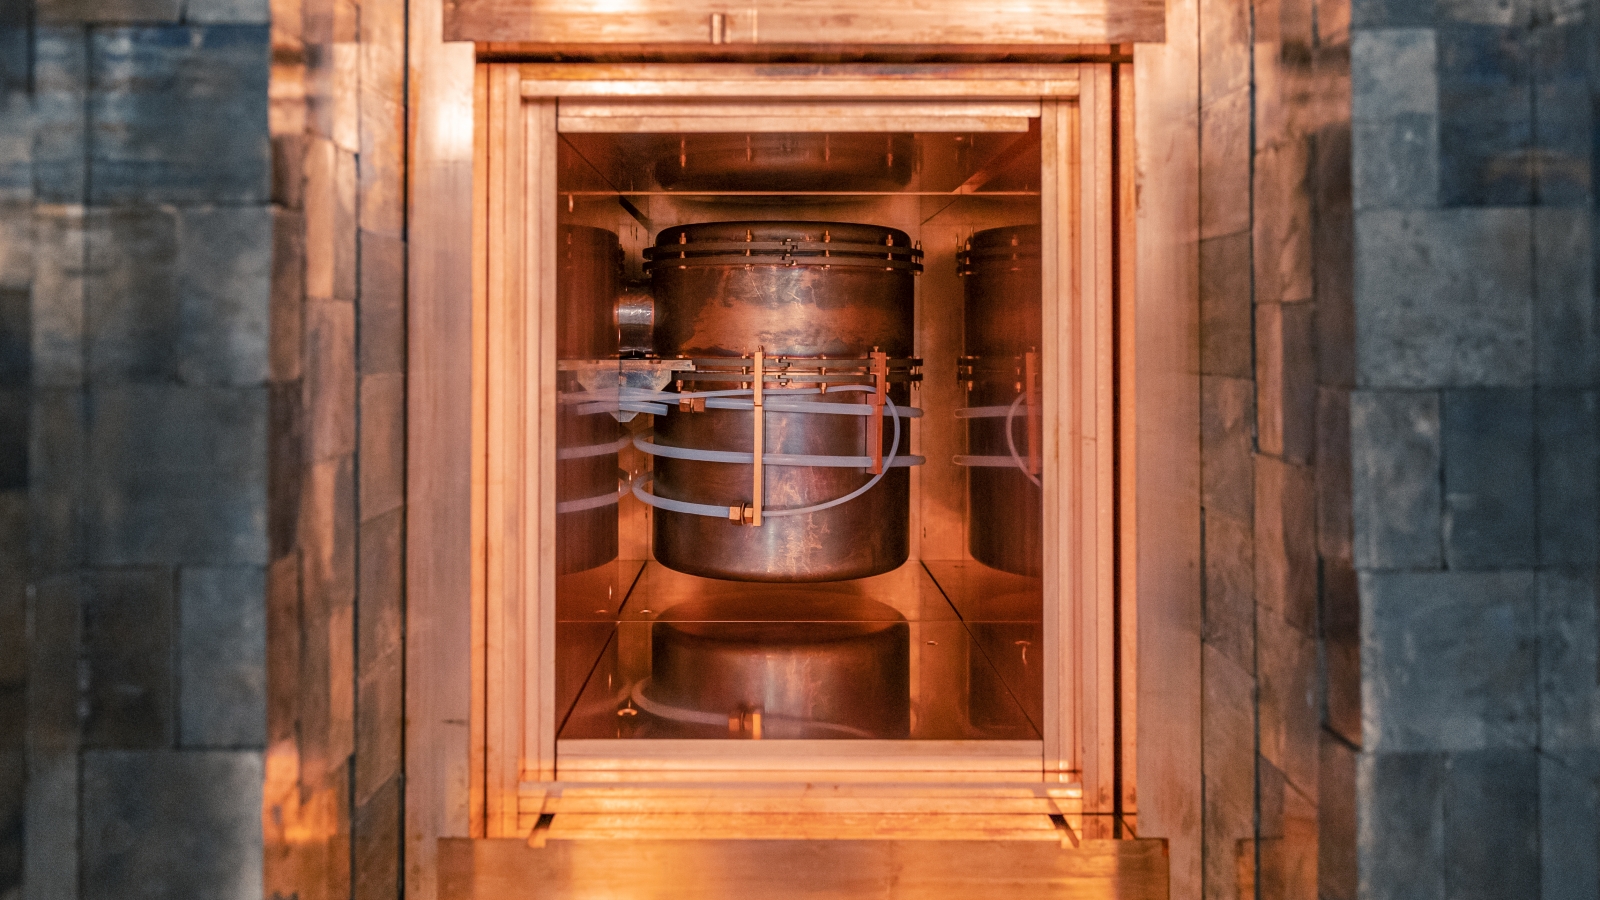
(1569, 660)
(1341, 649)
(1281, 220)
(54, 647)
(330, 379)
(383, 444)
(1396, 162)
(1224, 48)
(1504, 13)
(134, 316)
(177, 475)
(60, 121)
(346, 234)
(1443, 298)
(381, 623)
(222, 652)
(1374, 14)
(377, 824)
(14, 580)
(1449, 660)
(1393, 72)
(1227, 442)
(1566, 328)
(15, 413)
(16, 243)
(1489, 485)
(1568, 445)
(328, 535)
(286, 465)
(16, 139)
(1225, 298)
(16, 337)
(172, 824)
(381, 708)
(1225, 165)
(1286, 380)
(1485, 116)
(1286, 545)
(1563, 127)
(286, 342)
(224, 271)
(180, 114)
(1491, 824)
(127, 678)
(50, 849)
(57, 451)
(1333, 255)
(1400, 827)
(1336, 820)
(382, 309)
(1228, 767)
(1229, 602)
(240, 12)
(1395, 469)
(1335, 528)
(100, 12)
(1569, 825)
(1289, 704)
(60, 258)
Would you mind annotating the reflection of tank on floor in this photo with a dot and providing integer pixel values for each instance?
(1004, 324)
(807, 666)
(809, 295)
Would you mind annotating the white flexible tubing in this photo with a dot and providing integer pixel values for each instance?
(719, 512)
(1011, 441)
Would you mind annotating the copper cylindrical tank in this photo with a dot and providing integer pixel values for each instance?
(588, 276)
(833, 666)
(786, 162)
(1004, 324)
(722, 304)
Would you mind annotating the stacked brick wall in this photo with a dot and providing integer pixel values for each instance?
(1474, 435)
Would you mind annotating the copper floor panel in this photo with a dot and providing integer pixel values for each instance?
(778, 870)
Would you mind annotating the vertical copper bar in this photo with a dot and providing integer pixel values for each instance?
(757, 383)
(1030, 381)
(880, 389)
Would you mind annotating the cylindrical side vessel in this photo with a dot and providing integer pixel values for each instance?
(1004, 323)
(813, 666)
(588, 276)
(728, 310)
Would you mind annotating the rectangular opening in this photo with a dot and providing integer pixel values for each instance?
(917, 615)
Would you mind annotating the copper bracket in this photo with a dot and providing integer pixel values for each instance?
(750, 513)
(692, 404)
(879, 363)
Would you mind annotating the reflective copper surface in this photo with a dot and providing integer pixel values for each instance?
(729, 309)
(1004, 323)
(811, 666)
(588, 276)
(786, 162)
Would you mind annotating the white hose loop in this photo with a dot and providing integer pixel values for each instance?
(721, 512)
(1011, 441)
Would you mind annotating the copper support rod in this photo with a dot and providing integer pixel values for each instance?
(880, 390)
(758, 383)
(1030, 378)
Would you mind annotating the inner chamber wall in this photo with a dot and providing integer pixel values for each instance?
(913, 611)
